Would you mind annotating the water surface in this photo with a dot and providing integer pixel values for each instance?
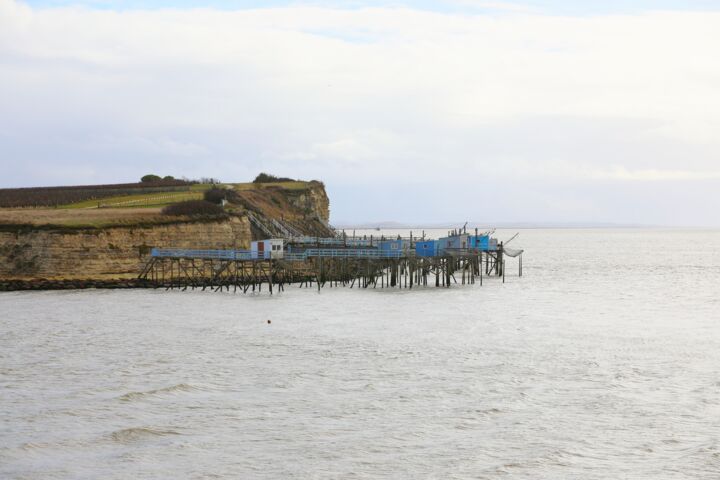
(602, 361)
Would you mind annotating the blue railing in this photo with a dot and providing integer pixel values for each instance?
(353, 253)
(351, 242)
(208, 254)
(348, 241)
(293, 257)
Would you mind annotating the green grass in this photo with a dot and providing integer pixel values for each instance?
(139, 200)
(159, 199)
(144, 200)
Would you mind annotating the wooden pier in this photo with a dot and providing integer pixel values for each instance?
(216, 270)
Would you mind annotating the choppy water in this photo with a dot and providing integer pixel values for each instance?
(603, 361)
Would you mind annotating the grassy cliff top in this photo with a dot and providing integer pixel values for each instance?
(77, 218)
(143, 208)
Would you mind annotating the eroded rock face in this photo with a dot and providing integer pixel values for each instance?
(109, 252)
(314, 201)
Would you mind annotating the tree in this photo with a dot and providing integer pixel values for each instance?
(168, 177)
(149, 178)
(214, 195)
(267, 178)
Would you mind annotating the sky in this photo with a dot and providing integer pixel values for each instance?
(541, 111)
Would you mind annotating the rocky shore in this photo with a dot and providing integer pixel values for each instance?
(46, 284)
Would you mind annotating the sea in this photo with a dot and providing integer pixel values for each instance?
(601, 362)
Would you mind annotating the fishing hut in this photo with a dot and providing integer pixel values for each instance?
(427, 248)
(394, 245)
(269, 248)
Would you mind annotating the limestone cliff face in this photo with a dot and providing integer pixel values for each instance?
(109, 252)
(313, 200)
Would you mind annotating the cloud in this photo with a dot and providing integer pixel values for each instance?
(367, 97)
(620, 173)
(501, 6)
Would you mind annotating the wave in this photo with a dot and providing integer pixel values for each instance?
(180, 387)
(127, 435)
(29, 446)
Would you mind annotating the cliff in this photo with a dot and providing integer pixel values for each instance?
(301, 208)
(108, 252)
(116, 243)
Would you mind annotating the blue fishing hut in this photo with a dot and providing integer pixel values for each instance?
(426, 248)
(395, 245)
(483, 243)
(454, 242)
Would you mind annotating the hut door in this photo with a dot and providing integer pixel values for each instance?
(261, 249)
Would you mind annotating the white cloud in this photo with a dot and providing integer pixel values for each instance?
(484, 5)
(620, 173)
(350, 95)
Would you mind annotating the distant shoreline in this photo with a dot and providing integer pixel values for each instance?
(522, 226)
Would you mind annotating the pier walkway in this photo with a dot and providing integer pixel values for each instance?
(362, 267)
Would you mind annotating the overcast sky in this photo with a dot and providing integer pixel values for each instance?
(537, 111)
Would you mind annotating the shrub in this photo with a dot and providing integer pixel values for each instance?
(267, 178)
(214, 195)
(193, 207)
(150, 178)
